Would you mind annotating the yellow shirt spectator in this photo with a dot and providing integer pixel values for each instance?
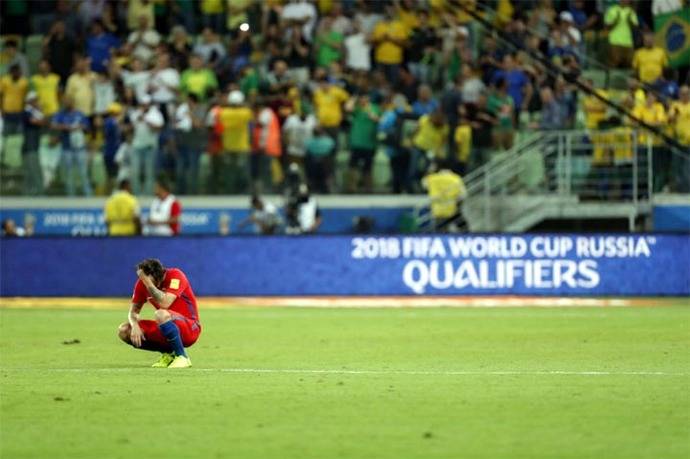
(46, 87)
(389, 37)
(654, 114)
(430, 137)
(595, 109)
(13, 93)
(136, 9)
(463, 141)
(681, 114)
(211, 6)
(649, 63)
(601, 152)
(80, 89)
(621, 144)
(237, 13)
(445, 188)
(329, 105)
(504, 12)
(235, 123)
(408, 18)
(121, 214)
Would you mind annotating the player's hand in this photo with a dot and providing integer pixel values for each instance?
(136, 336)
(142, 275)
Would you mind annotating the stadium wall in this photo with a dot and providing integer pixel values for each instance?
(204, 215)
(559, 265)
(671, 213)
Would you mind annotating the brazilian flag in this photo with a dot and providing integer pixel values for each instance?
(672, 32)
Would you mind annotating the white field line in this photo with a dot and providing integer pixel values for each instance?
(345, 302)
(366, 372)
(431, 302)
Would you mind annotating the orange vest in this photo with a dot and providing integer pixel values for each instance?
(273, 145)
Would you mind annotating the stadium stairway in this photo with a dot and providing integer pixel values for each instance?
(550, 176)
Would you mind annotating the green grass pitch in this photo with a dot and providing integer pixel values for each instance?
(353, 383)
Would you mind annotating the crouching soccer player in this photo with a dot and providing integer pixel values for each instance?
(177, 319)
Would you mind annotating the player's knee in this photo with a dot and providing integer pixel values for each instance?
(123, 332)
(162, 316)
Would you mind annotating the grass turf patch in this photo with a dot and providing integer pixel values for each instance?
(353, 383)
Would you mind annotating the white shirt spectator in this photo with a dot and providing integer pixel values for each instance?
(163, 85)
(146, 126)
(298, 132)
(209, 50)
(183, 117)
(358, 52)
(103, 96)
(123, 159)
(472, 88)
(137, 82)
(301, 11)
(144, 43)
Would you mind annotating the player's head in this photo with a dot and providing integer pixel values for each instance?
(162, 188)
(125, 185)
(154, 268)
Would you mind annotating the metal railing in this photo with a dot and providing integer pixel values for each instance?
(558, 174)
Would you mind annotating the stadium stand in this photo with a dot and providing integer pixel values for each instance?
(546, 102)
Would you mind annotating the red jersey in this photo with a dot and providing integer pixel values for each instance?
(175, 282)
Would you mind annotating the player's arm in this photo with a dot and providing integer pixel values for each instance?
(136, 336)
(164, 299)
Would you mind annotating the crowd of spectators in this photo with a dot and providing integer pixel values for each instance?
(144, 87)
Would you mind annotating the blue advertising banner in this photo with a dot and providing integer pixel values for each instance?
(195, 221)
(333, 265)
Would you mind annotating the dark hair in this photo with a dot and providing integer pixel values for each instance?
(152, 267)
(443, 163)
(163, 182)
(124, 184)
(11, 43)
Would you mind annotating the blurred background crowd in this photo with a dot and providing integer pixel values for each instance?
(221, 96)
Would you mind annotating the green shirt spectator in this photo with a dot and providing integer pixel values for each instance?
(364, 126)
(501, 105)
(620, 19)
(198, 80)
(249, 84)
(329, 44)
